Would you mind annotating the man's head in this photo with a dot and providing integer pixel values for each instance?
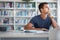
(43, 7)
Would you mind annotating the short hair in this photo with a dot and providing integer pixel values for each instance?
(41, 5)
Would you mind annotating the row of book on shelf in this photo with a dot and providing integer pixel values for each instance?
(6, 13)
(10, 27)
(6, 27)
(52, 5)
(25, 5)
(22, 21)
(20, 28)
(7, 5)
(11, 4)
(6, 20)
(54, 12)
(17, 20)
(26, 13)
(18, 13)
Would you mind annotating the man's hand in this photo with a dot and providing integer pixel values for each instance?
(54, 23)
(49, 14)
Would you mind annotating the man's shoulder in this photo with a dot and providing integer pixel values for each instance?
(34, 18)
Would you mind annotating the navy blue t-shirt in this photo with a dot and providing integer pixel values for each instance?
(38, 22)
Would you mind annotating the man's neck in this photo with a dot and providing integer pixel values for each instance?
(43, 16)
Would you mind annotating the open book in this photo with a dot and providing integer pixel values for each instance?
(35, 31)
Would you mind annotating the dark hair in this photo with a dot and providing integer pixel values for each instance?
(41, 5)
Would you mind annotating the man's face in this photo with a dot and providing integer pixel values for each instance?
(45, 8)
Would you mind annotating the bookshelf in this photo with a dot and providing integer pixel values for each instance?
(7, 14)
(15, 14)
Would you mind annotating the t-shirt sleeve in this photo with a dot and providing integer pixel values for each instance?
(32, 21)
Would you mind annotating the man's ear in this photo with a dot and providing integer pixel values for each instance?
(41, 10)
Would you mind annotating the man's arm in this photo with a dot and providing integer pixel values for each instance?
(54, 23)
(29, 27)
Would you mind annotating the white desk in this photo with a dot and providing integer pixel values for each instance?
(23, 35)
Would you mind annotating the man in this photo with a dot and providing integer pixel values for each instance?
(42, 21)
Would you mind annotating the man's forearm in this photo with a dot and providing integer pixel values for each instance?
(44, 29)
(54, 23)
(29, 27)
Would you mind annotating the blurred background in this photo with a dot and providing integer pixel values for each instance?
(15, 14)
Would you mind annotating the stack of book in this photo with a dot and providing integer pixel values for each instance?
(22, 21)
(20, 28)
(10, 27)
(9, 5)
(25, 5)
(1, 20)
(11, 20)
(54, 13)
(2, 5)
(27, 13)
(6, 21)
(1, 13)
(6, 13)
(52, 5)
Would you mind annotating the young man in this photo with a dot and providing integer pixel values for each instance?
(42, 21)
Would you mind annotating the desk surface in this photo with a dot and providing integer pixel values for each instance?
(22, 34)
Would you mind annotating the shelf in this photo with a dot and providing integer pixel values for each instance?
(21, 24)
(2, 8)
(53, 8)
(9, 8)
(6, 8)
(55, 16)
(7, 0)
(46, 1)
(7, 16)
(26, 8)
(6, 24)
(49, 1)
(24, 16)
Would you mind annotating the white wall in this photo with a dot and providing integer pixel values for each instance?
(54, 34)
(58, 10)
